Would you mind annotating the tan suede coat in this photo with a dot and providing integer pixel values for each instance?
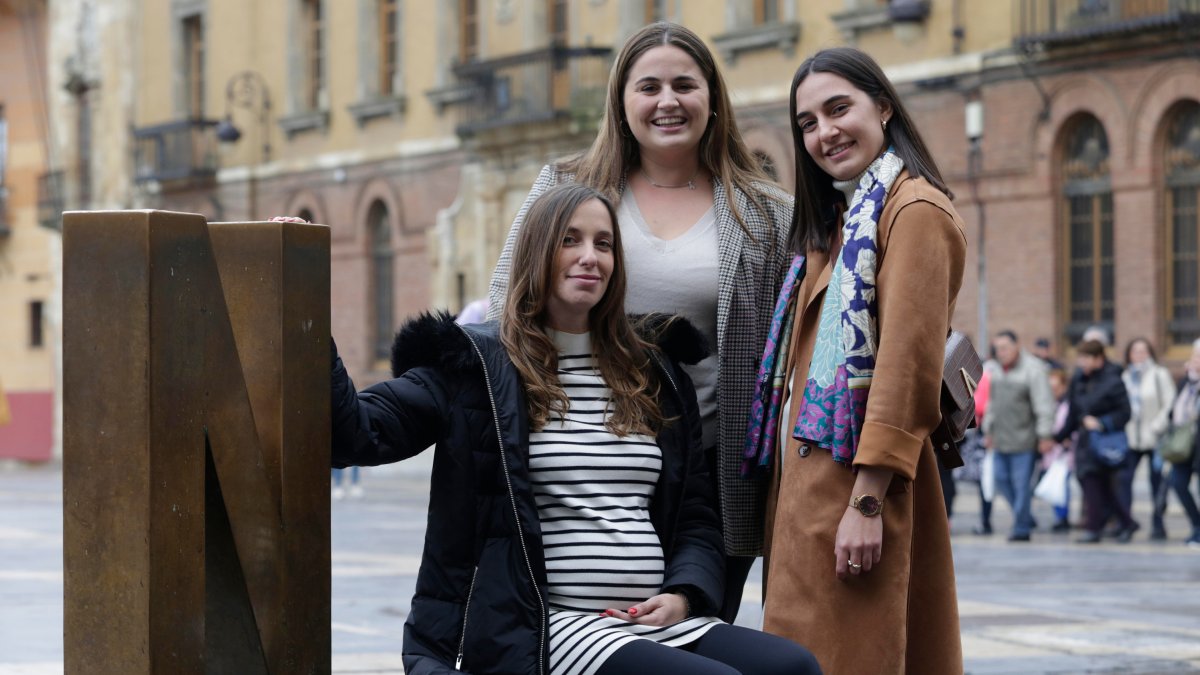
(902, 617)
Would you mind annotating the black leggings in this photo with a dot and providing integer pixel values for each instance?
(724, 650)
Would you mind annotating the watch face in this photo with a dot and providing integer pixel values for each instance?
(869, 504)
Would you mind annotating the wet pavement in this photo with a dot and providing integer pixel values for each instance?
(1048, 606)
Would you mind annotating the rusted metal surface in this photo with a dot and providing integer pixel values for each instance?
(165, 381)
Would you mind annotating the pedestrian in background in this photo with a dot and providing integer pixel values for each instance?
(859, 562)
(1059, 387)
(1184, 413)
(1043, 348)
(1151, 391)
(1018, 425)
(1098, 403)
(705, 238)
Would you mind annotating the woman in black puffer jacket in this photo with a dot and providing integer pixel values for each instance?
(571, 526)
(1098, 403)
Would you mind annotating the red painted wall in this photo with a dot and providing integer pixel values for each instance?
(30, 433)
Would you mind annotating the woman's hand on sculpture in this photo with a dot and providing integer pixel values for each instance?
(664, 609)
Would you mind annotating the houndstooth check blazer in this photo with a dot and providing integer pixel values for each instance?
(751, 272)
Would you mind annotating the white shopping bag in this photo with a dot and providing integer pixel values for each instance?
(987, 476)
(1052, 488)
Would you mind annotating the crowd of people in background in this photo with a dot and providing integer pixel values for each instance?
(1042, 428)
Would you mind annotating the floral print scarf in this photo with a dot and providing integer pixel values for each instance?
(835, 394)
(834, 408)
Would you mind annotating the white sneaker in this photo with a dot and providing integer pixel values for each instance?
(356, 492)
(339, 493)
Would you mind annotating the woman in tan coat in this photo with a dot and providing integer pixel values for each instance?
(859, 565)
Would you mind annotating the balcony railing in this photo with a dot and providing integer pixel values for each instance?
(547, 84)
(176, 151)
(51, 200)
(1046, 22)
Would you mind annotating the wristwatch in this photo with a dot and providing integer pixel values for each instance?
(868, 505)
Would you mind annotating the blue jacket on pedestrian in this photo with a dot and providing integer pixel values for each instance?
(480, 600)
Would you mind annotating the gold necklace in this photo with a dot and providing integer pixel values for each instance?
(690, 184)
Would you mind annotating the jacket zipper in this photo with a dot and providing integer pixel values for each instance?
(513, 501)
(462, 639)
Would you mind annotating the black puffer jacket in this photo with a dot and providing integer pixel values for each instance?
(1101, 395)
(480, 597)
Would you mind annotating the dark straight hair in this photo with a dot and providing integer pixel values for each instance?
(1149, 348)
(818, 203)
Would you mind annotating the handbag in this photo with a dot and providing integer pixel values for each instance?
(1110, 447)
(1179, 444)
(961, 370)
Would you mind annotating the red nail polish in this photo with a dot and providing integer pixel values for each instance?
(633, 611)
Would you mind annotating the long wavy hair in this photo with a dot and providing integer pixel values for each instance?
(615, 151)
(623, 357)
(818, 203)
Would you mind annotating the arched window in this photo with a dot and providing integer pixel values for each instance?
(1181, 177)
(383, 330)
(1087, 221)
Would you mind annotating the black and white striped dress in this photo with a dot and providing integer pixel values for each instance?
(593, 492)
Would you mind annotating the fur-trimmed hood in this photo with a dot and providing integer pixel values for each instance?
(433, 339)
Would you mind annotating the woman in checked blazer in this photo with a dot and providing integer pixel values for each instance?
(705, 237)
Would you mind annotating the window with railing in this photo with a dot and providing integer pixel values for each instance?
(314, 54)
(1181, 178)
(4, 226)
(37, 327)
(1067, 21)
(389, 47)
(193, 66)
(174, 151)
(542, 85)
(468, 31)
(50, 200)
(3, 147)
(382, 259)
(556, 19)
(656, 10)
(1087, 217)
(766, 11)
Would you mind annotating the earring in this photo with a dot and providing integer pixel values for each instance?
(885, 125)
(714, 113)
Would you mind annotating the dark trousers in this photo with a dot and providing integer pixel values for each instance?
(724, 650)
(1100, 499)
(1125, 484)
(1181, 478)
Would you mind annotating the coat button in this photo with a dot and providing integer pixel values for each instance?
(804, 450)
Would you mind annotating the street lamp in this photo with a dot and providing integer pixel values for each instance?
(248, 90)
(973, 112)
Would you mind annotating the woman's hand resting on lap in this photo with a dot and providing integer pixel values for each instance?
(664, 609)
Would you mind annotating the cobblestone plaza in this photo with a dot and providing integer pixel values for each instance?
(1050, 606)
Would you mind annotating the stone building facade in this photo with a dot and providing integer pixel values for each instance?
(414, 129)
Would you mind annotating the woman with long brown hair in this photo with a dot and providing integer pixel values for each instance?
(571, 528)
(859, 561)
(705, 239)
